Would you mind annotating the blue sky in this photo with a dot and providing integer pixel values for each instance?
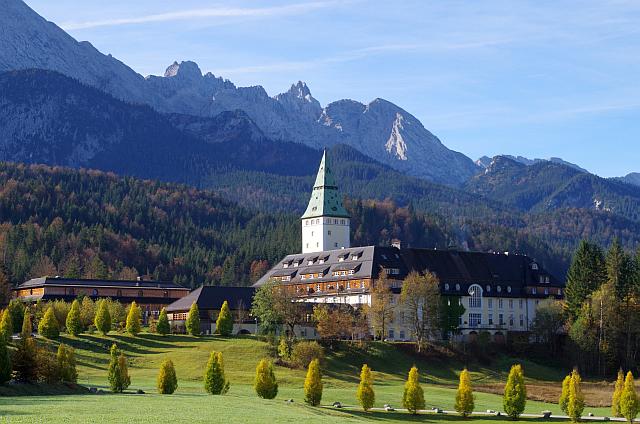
(538, 79)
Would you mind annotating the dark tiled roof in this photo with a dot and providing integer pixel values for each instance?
(505, 274)
(82, 282)
(212, 297)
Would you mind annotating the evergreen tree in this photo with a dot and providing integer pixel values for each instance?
(563, 401)
(515, 393)
(224, 323)
(25, 357)
(48, 326)
(67, 363)
(464, 396)
(365, 394)
(629, 399)
(16, 309)
(284, 348)
(87, 312)
(163, 327)
(586, 274)
(617, 393)
(413, 396)
(6, 326)
(313, 384)
(5, 362)
(265, 383)
(575, 404)
(167, 380)
(193, 320)
(118, 372)
(215, 382)
(134, 319)
(102, 319)
(74, 323)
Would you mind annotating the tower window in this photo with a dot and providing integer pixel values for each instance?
(329, 232)
(335, 245)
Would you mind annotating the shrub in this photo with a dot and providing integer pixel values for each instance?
(167, 380)
(306, 351)
(413, 396)
(134, 319)
(118, 373)
(563, 401)
(193, 320)
(284, 348)
(365, 394)
(67, 363)
(27, 325)
(5, 362)
(162, 326)
(629, 399)
(73, 322)
(515, 393)
(102, 319)
(25, 360)
(617, 392)
(48, 369)
(265, 383)
(6, 326)
(224, 323)
(464, 396)
(575, 404)
(48, 326)
(87, 312)
(16, 311)
(215, 382)
(313, 384)
(61, 311)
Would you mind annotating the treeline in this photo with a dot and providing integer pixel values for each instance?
(602, 308)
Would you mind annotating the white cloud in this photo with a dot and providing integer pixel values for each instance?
(216, 12)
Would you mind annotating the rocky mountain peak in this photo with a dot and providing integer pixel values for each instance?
(187, 70)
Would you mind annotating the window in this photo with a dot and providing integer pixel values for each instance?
(341, 259)
(312, 234)
(490, 319)
(475, 320)
(534, 266)
(511, 320)
(446, 286)
(328, 232)
(488, 288)
(534, 291)
(317, 287)
(95, 292)
(521, 320)
(140, 293)
(560, 292)
(285, 265)
(510, 303)
(490, 303)
(391, 334)
(457, 286)
(348, 285)
(335, 244)
(475, 299)
(521, 303)
(546, 279)
(401, 334)
(165, 293)
(508, 289)
(350, 272)
(500, 303)
(500, 319)
(310, 262)
(499, 288)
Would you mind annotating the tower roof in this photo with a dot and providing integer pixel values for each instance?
(325, 198)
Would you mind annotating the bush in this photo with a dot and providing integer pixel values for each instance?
(224, 323)
(73, 322)
(16, 310)
(464, 396)
(67, 363)
(118, 372)
(48, 326)
(87, 312)
(167, 380)
(6, 326)
(134, 319)
(48, 369)
(265, 383)
(284, 348)
(515, 393)
(365, 394)
(215, 382)
(413, 397)
(305, 352)
(5, 362)
(102, 319)
(313, 384)
(193, 320)
(162, 326)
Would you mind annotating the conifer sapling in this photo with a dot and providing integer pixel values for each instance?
(134, 319)
(629, 399)
(575, 404)
(413, 396)
(313, 384)
(224, 323)
(365, 394)
(167, 382)
(215, 382)
(265, 383)
(464, 396)
(48, 326)
(73, 322)
(515, 393)
(193, 320)
(617, 392)
(102, 319)
(163, 327)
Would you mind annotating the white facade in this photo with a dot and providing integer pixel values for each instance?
(325, 233)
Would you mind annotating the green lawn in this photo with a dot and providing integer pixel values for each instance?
(241, 405)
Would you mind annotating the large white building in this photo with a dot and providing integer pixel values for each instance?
(499, 291)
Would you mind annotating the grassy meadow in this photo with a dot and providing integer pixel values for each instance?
(241, 405)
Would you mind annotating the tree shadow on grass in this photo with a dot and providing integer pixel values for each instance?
(397, 416)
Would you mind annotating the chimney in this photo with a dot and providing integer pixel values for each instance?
(396, 243)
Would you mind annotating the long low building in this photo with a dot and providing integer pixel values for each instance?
(151, 296)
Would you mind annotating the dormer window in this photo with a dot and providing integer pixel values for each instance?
(285, 265)
(321, 261)
(534, 266)
(296, 263)
(310, 262)
(350, 272)
(341, 259)
(546, 279)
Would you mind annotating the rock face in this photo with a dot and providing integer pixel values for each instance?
(379, 129)
(485, 161)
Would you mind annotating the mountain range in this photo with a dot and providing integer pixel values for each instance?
(63, 103)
